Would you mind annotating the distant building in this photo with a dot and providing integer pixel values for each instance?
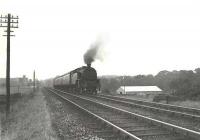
(19, 81)
(20, 85)
(139, 90)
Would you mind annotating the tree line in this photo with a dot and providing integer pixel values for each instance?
(183, 83)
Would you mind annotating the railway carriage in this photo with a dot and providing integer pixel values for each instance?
(80, 80)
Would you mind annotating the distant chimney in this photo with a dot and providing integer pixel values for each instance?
(89, 65)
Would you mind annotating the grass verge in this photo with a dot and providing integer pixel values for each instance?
(29, 120)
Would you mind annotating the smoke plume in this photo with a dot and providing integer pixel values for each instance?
(93, 53)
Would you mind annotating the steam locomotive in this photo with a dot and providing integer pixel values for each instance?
(81, 80)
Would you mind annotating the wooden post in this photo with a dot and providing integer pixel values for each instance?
(34, 81)
(8, 69)
(124, 85)
(6, 21)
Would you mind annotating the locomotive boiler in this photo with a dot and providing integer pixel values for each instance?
(80, 80)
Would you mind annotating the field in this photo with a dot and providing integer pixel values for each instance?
(16, 89)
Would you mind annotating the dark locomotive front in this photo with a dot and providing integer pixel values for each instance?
(80, 80)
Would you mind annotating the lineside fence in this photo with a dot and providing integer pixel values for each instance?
(17, 90)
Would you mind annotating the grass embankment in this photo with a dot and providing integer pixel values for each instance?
(29, 120)
(188, 103)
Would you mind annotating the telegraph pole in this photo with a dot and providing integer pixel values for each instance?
(124, 84)
(8, 22)
(34, 81)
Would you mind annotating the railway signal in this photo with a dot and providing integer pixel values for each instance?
(10, 22)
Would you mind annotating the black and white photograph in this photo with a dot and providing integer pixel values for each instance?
(99, 70)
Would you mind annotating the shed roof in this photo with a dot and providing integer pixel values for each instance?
(140, 88)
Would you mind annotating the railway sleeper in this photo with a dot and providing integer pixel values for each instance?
(124, 117)
(142, 129)
(120, 121)
(124, 124)
(153, 134)
(127, 128)
(112, 137)
(163, 137)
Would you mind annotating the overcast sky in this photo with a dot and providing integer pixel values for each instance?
(139, 37)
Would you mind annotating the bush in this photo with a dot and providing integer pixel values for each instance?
(166, 97)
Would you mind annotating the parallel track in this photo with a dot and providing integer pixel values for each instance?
(129, 124)
(181, 109)
(182, 119)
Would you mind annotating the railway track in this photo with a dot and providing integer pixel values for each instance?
(102, 128)
(183, 119)
(128, 124)
(184, 110)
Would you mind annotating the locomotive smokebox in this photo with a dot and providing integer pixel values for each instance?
(89, 65)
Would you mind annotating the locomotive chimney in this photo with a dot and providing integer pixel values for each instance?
(89, 65)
